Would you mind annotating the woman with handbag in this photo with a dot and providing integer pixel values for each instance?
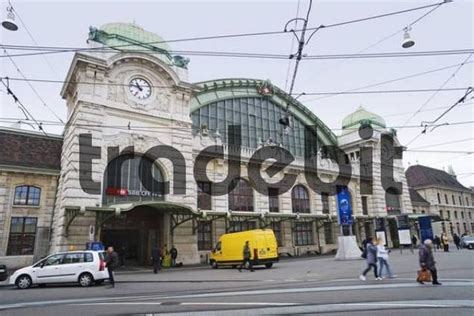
(371, 258)
(427, 263)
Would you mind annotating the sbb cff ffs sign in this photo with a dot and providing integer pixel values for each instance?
(117, 191)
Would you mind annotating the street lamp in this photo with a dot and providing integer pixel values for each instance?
(9, 23)
(407, 40)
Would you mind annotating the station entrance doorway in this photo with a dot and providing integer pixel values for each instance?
(133, 234)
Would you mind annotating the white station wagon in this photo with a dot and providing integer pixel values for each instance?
(84, 267)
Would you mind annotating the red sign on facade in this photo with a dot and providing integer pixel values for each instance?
(116, 191)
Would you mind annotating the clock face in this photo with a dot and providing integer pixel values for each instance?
(139, 88)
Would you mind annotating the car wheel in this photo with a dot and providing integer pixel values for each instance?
(23, 282)
(470, 246)
(86, 280)
(214, 265)
(268, 265)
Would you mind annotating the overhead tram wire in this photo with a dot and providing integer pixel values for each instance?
(31, 37)
(466, 61)
(23, 107)
(292, 46)
(46, 81)
(389, 81)
(151, 128)
(278, 56)
(239, 35)
(445, 143)
(31, 86)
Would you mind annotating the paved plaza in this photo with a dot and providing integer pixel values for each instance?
(295, 285)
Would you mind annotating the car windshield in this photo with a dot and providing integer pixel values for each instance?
(468, 238)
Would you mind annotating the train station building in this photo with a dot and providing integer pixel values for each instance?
(128, 100)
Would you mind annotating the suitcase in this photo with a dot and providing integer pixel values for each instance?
(424, 276)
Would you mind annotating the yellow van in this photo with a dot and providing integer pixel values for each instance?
(229, 248)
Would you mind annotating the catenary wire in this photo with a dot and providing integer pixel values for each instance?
(390, 81)
(256, 55)
(431, 97)
(255, 33)
(237, 89)
(445, 143)
(31, 86)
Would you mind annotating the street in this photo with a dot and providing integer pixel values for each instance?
(294, 286)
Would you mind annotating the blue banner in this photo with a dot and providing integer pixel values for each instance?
(344, 206)
(426, 231)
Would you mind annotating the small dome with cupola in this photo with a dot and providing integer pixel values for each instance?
(360, 117)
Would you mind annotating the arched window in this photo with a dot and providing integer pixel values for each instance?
(27, 195)
(124, 183)
(300, 199)
(241, 197)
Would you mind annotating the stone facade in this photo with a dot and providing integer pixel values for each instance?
(447, 198)
(14, 174)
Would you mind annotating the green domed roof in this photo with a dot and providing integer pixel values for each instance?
(127, 37)
(133, 32)
(361, 115)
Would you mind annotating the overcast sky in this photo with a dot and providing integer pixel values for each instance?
(66, 23)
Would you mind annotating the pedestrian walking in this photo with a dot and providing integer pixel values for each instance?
(437, 242)
(174, 255)
(371, 259)
(427, 261)
(382, 256)
(156, 258)
(246, 257)
(445, 242)
(414, 240)
(112, 262)
(457, 241)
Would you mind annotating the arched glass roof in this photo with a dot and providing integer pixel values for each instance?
(239, 102)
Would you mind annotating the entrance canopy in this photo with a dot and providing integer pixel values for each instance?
(180, 213)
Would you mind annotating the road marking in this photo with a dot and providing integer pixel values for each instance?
(191, 303)
(381, 286)
(327, 308)
(316, 289)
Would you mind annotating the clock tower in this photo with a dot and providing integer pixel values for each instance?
(126, 92)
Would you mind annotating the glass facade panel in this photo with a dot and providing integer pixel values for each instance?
(129, 186)
(259, 121)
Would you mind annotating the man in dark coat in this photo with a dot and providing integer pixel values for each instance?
(457, 241)
(246, 255)
(427, 260)
(156, 258)
(174, 255)
(112, 262)
(414, 240)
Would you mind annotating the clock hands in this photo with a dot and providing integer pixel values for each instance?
(138, 86)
